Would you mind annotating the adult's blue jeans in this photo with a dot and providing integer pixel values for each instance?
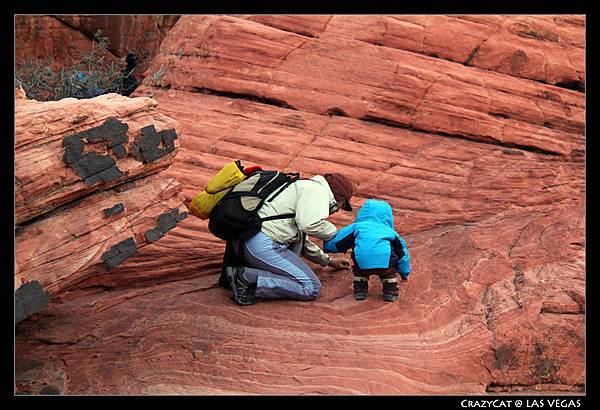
(280, 272)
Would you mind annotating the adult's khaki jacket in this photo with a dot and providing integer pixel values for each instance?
(310, 200)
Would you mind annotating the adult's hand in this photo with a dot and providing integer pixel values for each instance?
(339, 263)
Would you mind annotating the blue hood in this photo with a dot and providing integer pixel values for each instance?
(376, 211)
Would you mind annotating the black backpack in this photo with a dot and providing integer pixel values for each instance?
(235, 216)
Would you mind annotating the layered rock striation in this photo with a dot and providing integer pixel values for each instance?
(86, 186)
(471, 127)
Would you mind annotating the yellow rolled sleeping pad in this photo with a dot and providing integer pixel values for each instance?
(217, 187)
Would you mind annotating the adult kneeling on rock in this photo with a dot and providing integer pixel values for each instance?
(273, 267)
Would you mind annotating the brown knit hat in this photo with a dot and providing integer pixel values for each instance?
(342, 188)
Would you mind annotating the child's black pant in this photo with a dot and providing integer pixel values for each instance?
(385, 274)
(391, 292)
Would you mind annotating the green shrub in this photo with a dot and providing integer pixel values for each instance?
(94, 74)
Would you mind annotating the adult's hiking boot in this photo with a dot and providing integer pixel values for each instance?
(223, 279)
(243, 291)
(391, 293)
(361, 289)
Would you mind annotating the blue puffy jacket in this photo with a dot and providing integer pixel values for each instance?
(373, 239)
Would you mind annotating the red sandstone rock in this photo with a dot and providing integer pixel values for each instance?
(543, 48)
(341, 76)
(43, 180)
(45, 36)
(311, 26)
(141, 34)
(491, 207)
(457, 329)
(67, 220)
(428, 179)
(19, 92)
(67, 246)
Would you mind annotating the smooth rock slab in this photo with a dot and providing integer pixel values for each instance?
(457, 328)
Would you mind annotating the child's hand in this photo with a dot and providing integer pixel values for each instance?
(339, 263)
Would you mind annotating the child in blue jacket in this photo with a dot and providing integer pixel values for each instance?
(376, 249)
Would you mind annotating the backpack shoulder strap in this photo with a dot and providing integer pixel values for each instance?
(292, 178)
(282, 216)
(238, 194)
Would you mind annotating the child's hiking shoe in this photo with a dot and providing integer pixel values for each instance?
(361, 288)
(391, 293)
(243, 291)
